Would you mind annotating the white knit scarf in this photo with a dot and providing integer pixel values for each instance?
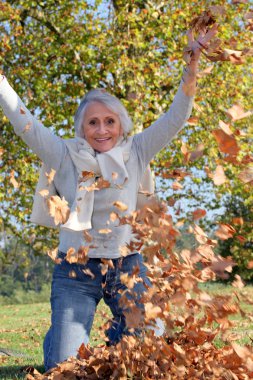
(109, 165)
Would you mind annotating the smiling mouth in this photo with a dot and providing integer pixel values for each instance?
(103, 139)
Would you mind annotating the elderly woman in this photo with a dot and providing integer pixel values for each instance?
(101, 148)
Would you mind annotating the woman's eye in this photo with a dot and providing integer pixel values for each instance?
(110, 121)
(92, 122)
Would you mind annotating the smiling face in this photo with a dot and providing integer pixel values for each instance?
(101, 127)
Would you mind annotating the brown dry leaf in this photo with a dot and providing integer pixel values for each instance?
(72, 274)
(250, 265)
(225, 231)
(225, 128)
(1, 152)
(239, 221)
(87, 236)
(152, 311)
(219, 177)
(86, 175)
(27, 127)
(88, 272)
(133, 317)
(120, 205)
(206, 19)
(227, 144)
(192, 155)
(128, 280)
(71, 256)
(53, 255)
(193, 120)
(13, 180)
(236, 112)
(50, 176)
(82, 255)
(246, 175)
(221, 264)
(84, 352)
(198, 214)
(22, 111)
(238, 283)
(58, 209)
(177, 186)
(105, 231)
(44, 192)
(205, 72)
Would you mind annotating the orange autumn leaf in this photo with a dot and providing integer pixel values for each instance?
(198, 214)
(225, 231)
(84, 352)
(27, 127)
(238, 283)
(225, 127)
(246, 175)
(177, 186)
(152, 311)
(50, 176)
(227, 143)
(236, 112)
(22, 111)
(58, 209)
(120, 205)
(13, 180)
(44, 192)
(219, 177)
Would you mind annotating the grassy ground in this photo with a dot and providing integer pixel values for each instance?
(24, 326)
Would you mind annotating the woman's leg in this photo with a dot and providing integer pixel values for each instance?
(74, 299)
(121, 300)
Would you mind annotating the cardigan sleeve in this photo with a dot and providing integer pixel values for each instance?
(48, 147)
(161, 132)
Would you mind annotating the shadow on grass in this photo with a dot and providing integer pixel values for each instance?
(17, 371)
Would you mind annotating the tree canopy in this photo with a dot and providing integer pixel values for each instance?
(53, 52)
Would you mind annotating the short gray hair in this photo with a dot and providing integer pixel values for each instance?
(110, 101)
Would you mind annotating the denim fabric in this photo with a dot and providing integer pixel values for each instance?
(74, 299)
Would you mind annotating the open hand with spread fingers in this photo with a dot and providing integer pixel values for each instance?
(192, 54)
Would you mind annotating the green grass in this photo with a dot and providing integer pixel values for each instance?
(23, 327)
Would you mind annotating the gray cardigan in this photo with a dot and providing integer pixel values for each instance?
(52, 150)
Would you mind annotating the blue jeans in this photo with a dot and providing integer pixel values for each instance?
(74, 299)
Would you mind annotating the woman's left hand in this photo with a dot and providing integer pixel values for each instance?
(193, 50)
(192, 54)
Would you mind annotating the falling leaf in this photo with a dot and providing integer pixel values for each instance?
(199, 213)
(1, 152)
(86, 175)
(133, 317)
(238, 220)
(128, 280)
(206, 19)
(227, 144)
(72, 274)
(246, 175)
(177, 186)
(104, 231)
(58, 209)
(27, 127)
(22, 111)
(225, 231)
(205, 72)
(53, 255)
(219, 177)
(44, 192)
(152, 311)
(238, 283)
(13, 181)
(88, 272)
(250, 265)
(84, 352)
(87, 236)
(236, 112)
(225, 128)
(120, 205)
(50, 176)
(193, 120)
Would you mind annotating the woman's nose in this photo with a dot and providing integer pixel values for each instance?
(102, 128)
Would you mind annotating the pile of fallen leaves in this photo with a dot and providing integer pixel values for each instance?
(192, 318)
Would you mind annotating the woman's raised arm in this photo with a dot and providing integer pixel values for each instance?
(160, 133)
(48, 147)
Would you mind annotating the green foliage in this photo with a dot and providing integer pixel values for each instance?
(53, 52)
(240, 246)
